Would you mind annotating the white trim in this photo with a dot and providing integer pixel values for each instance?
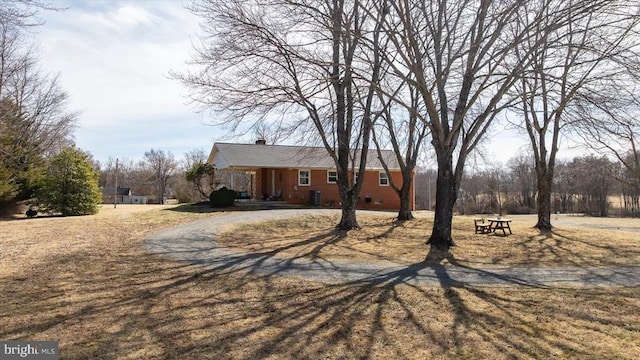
(336, 176)
(386, 176)
(308, 177)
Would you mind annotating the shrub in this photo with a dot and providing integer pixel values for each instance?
(222, 197)
(70, 184)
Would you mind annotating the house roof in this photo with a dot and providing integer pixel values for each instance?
(122, 191)
(248, 156)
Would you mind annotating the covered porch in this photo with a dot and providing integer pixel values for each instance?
(255, 183)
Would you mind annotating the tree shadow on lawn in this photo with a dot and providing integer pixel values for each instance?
(205, 207)
(38, 217)
(572, 251)
(144, 306)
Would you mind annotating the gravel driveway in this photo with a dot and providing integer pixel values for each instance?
(195, 243)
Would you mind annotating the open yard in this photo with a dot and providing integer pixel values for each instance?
(578, 241)
(88, 282)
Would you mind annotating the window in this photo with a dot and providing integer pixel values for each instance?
(332, 176)
(384, 179)
(304, 177)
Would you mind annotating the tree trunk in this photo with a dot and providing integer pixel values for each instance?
(160, 192)
(404, 213)
(602, 198)
(544, 204)
(446, 195)
(348, 220)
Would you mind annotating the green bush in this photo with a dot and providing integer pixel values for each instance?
(222, 198)
(70, 184)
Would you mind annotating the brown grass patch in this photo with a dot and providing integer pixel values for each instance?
(382, 240)
(87, 282)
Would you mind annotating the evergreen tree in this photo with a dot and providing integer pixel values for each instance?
(70, 184)
(202, 176)
(21, 157)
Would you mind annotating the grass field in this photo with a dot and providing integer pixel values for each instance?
(581, 242)
(87, 282)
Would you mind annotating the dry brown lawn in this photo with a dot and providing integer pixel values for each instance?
(87, 282)
(381, 240)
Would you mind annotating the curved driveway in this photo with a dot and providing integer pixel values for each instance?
(195, 243)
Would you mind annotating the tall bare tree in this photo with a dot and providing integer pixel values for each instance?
(23, 14)
(593, 183)
(305, 66)
(612, 127)
(522, 176)
(34, 121)
(459, 57)
(160, 166)
(404, 130)
(576, 59)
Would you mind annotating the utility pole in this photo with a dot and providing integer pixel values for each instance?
(115, 190)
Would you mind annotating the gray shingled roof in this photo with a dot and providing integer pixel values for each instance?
(226, 155)
(122, 191)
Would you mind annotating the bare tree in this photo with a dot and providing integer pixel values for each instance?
(577, 57)
(564, 188)
(614, 129)
(34, 122)
(630, 185)
(459, 56)
(23, 14)
(522, 175)
(425, 180)
(305, 67)
(473, 186)
(593, 183)
(125, 173)
(405, 131)
(160, 168)
(496, 188)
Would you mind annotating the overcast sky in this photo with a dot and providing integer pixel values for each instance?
(113, 58)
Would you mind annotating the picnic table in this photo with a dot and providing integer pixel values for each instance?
(499, 224)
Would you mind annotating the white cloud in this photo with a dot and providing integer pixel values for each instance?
(113, 59)
(122, 18)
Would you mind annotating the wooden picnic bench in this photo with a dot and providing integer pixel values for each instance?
(492, 226)
(500, 224)
(481, 226)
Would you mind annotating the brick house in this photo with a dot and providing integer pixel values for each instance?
(305, 175)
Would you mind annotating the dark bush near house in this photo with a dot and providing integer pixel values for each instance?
(222, 197)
